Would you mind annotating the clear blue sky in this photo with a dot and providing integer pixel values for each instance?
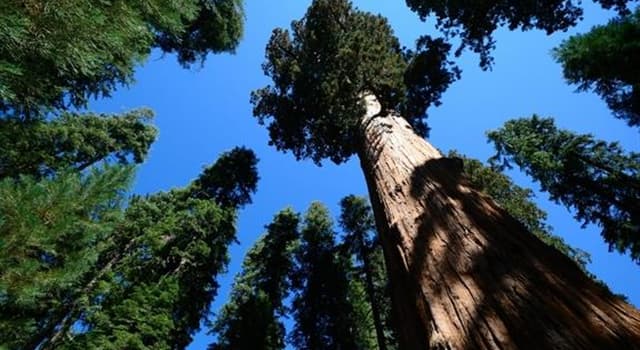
(205, 111)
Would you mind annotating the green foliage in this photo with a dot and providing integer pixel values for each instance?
(518, 202)
(605, 60)
(360, 240)
(56, 55)
(160, 288)
(76, 274)
(474, 22)
(52, 232)
(597, 179)
(158, 280)
(323, 313)
(231, 180)
(322, 68)
(216, 27)
(73, 141)
(249, 320)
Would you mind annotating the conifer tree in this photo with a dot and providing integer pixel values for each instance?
(356, 220)
(144, 281)
(604, 60)
(73, 142)
(58, 211)
(250, 319)
(464, 273)
(321, 307)
(596, 178)
(60, 55)
(154, 285)
(52, 232)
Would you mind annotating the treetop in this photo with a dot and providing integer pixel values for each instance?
(326, 62)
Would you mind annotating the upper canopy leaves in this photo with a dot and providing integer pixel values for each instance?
(475, 21)
(605, 61)
(59, 54)
(324, 65)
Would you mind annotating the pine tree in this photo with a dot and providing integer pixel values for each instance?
(153, 287)
(250, 319)
(42, 148)
(464, 273)
(356, 220)
(59, 209)
(52, 231)
(321, 307)
(143, 281)
(598, 179)
(56, 55)
(604, 60)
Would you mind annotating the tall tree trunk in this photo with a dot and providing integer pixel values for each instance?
(465, 274)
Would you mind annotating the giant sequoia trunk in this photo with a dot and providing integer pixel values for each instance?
(465, 274)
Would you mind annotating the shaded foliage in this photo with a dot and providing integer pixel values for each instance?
(360, 240)
(323, 67)
(599, 180)
(475, 21)
(250, 319)
(60, 55)
(231, 180)
(321, 307)
(605, 60)
(216, 27)
(73, 142)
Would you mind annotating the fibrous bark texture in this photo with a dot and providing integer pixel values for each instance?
(465, 274)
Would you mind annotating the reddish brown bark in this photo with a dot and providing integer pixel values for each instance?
(465, 274)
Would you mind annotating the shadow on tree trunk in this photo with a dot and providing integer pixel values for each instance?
(489, 284)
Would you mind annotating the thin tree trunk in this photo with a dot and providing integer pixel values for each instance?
(375, 306)
(465, 274)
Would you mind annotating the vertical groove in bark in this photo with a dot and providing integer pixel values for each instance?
(465, 274)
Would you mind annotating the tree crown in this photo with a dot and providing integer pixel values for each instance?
(323, 67)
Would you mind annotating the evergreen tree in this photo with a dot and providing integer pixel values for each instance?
(42, 148)
(144, 282)
(320, 71)
(604, 60)
(250, 319)
(597, 179)
(155, 285)
(464, 273)
(56, 55)
(52, 232)
(356, 220)
(321, 307)
(56, 218)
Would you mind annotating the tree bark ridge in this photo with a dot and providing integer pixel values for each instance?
(476, 277)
